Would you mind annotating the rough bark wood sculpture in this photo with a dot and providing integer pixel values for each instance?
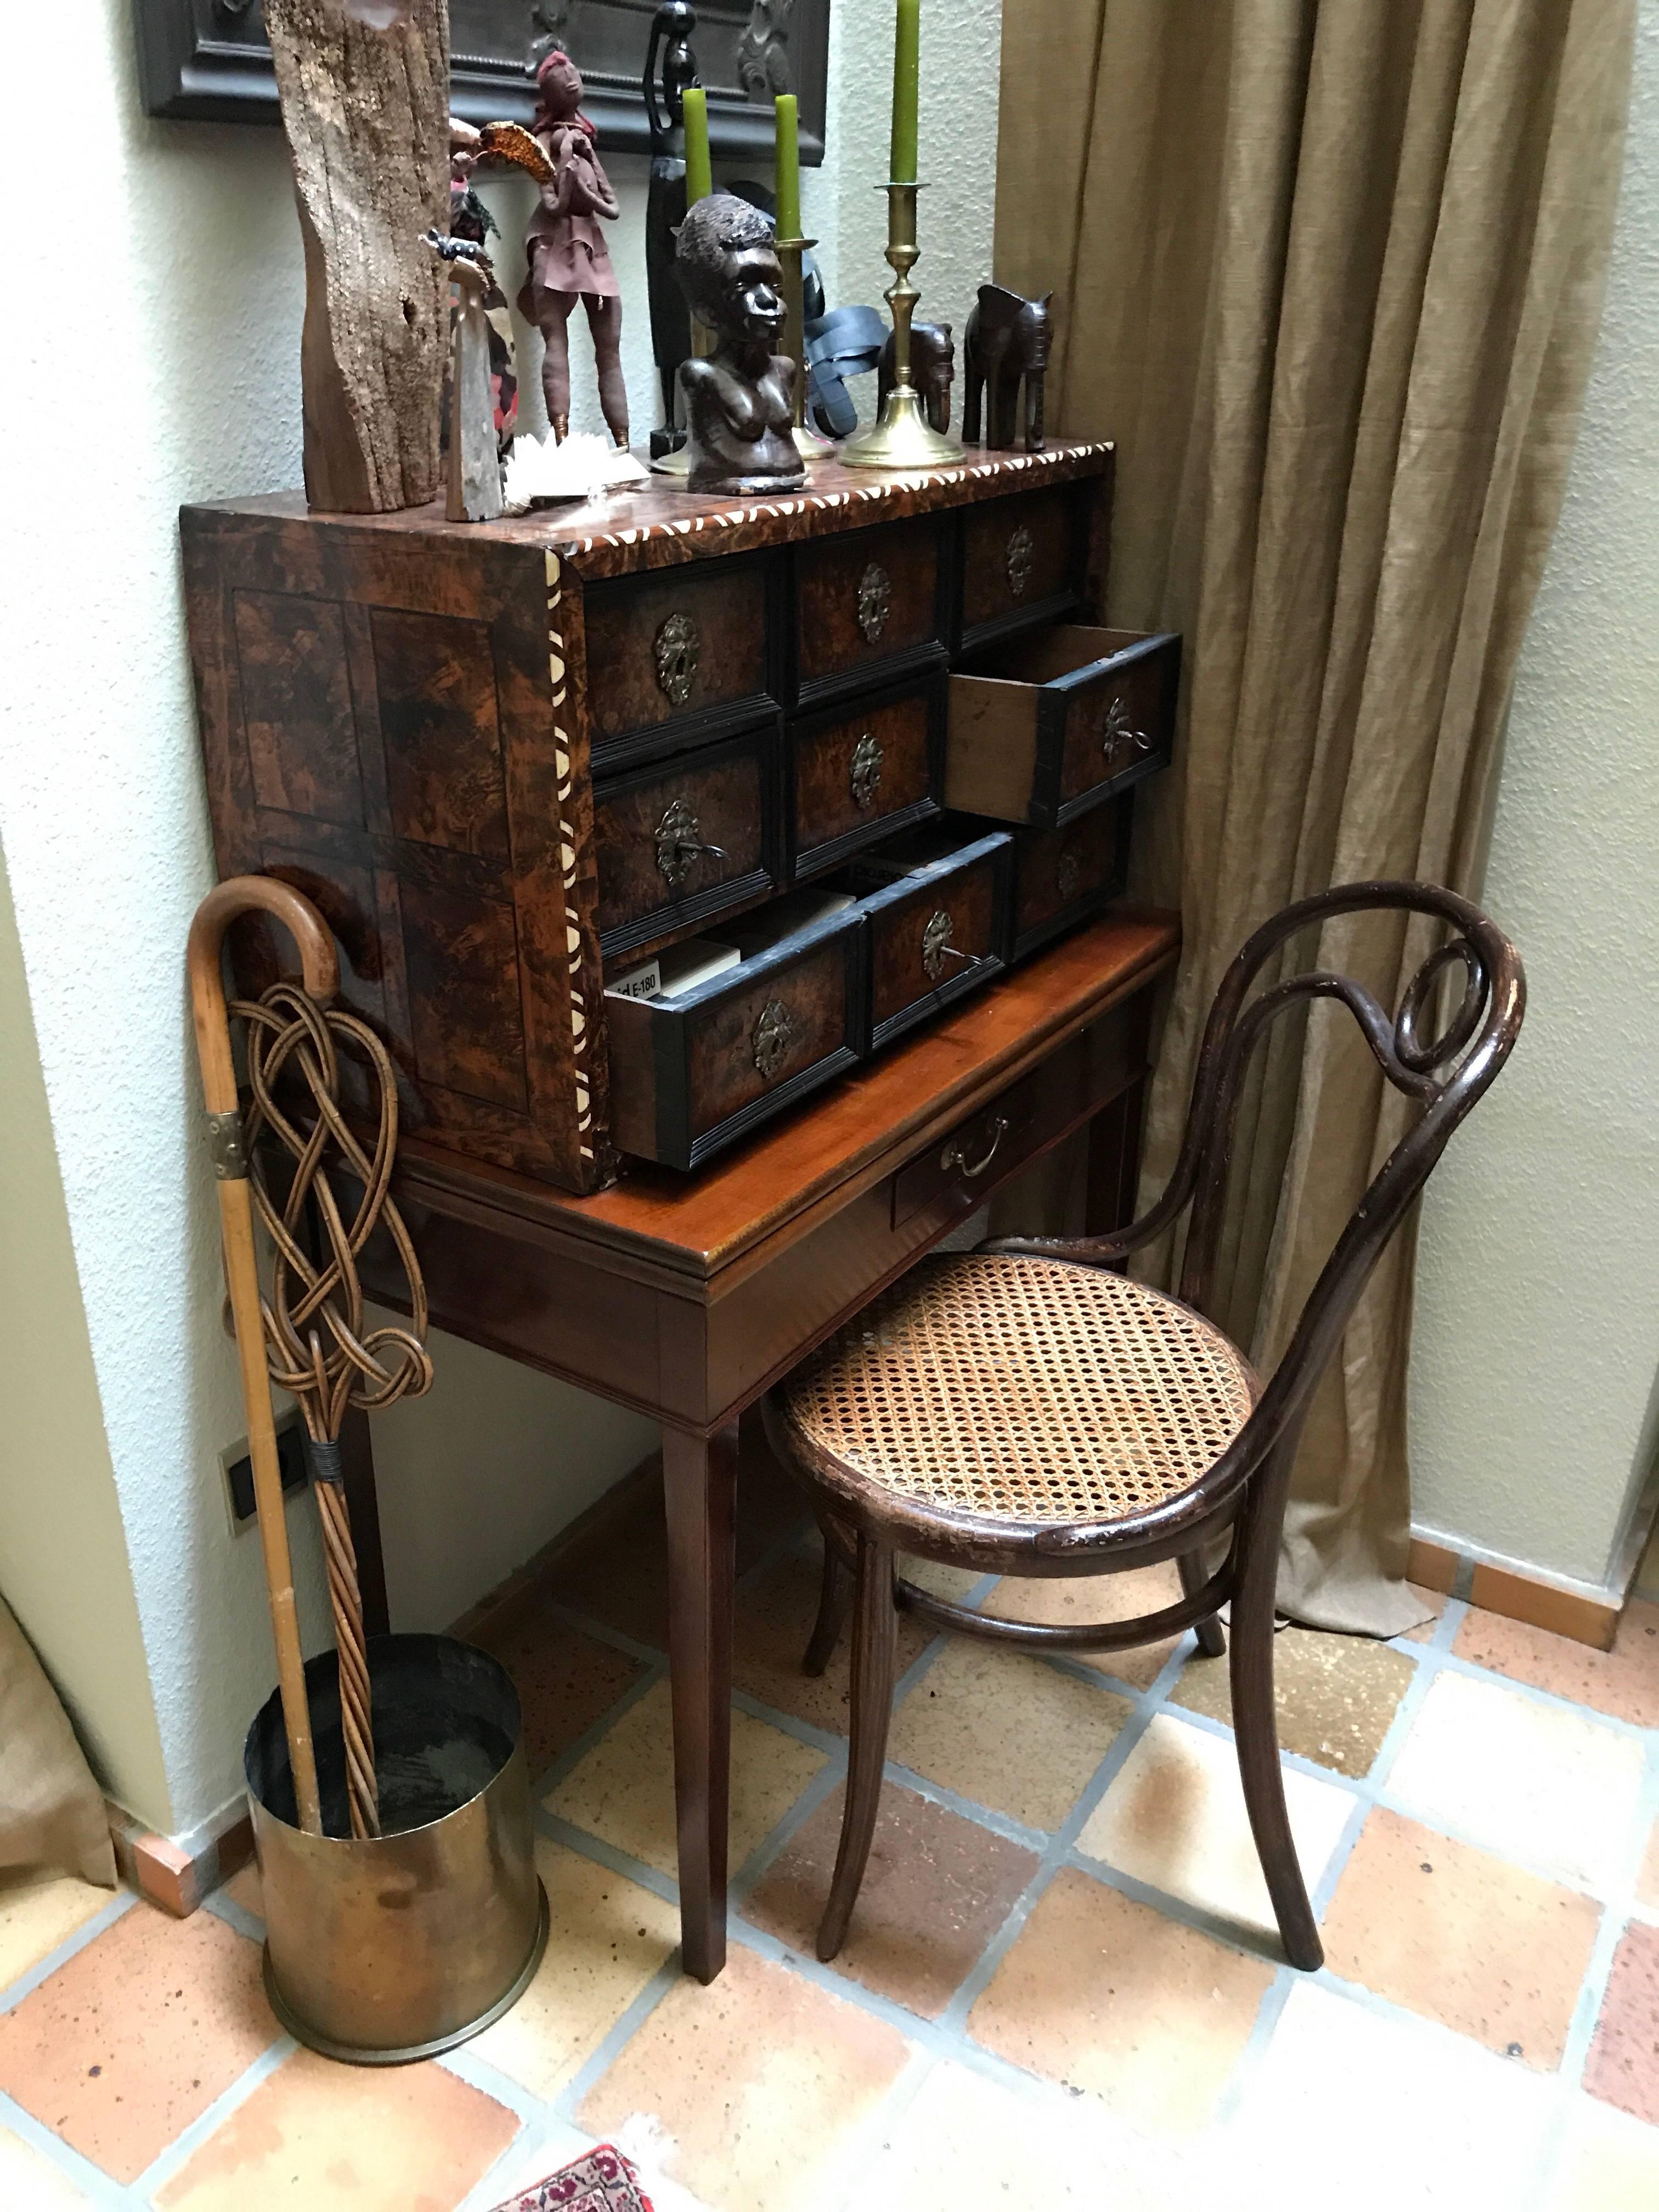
(364, 86)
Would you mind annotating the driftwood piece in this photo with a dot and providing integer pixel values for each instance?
(364, 86)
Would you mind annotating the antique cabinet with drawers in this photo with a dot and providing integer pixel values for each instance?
(867, 737)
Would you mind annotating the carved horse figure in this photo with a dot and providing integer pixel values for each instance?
(1006, 340)
(932, 370)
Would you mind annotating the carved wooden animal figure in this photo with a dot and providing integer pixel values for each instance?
(1006, 340)
(932, 370)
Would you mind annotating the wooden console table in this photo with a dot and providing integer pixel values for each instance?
(687, 1297)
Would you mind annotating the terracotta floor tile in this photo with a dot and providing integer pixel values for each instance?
(1647, 1881)
(1437, 1602)
(757, 2082)
(243, 1888)
(1623, 2066)
(965, 2143)
(1536, 1783)
(1351, 2109)
(333, 2138)
(40, 1911)
(565, 1682)
(937, 1889)
(1108, 1996)
(771, 1502)
(621, 1577)
(1623, 1682)
(952, 1583)
(606, 1938)
(1175, 1817)
(1461, 1937)
(623, 1790)
(137, 2034)
(30, 2182)
(1606, 2163)
(1336, 1695)
(774, 1617)
(1006, 1730)
(1098, 1598)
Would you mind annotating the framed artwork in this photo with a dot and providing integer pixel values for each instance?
(207, 61)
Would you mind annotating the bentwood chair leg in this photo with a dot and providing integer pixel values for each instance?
(1255, 1732)
(875, 1639)
(1211, 1640)
(835, 1601)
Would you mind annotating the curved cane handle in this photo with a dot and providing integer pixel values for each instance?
(319, 963)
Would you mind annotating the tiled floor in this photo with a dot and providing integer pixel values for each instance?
(1061, 1988)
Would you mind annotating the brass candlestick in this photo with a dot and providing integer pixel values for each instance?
(903, 438)
(808, 443)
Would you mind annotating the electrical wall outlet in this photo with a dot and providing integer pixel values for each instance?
(239, 1467)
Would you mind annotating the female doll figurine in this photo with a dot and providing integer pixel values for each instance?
(567, 256)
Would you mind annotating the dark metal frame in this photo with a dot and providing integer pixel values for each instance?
(207, 61)
(1241, 1498)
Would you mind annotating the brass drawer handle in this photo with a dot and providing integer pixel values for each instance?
(679, 648)
(1020, 559)
(1117, 730)
(679, 842)
(875, 602)
(936, 945)
(954, 1158)
(864, 774)
(772, 1033)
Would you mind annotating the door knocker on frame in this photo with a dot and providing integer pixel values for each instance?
(679, 649)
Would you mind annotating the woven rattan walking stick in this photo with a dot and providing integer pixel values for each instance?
(312, 1324)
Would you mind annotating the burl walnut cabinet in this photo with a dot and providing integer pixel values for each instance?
(510, 760)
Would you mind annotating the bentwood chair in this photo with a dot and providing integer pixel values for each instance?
(1027, 1410)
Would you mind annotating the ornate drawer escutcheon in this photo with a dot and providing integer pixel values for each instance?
(773, 1032)
(865, 773)
(1068, 876)
(875, 602)
(936, 945)
(679, 649)
(679, 842)
(1118, 734)
(1021, 558)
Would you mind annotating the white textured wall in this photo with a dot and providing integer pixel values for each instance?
(1537, 1332)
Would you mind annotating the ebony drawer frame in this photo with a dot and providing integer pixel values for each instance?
(1021, 945)
(697, 726)
(814, 859)
(883, 670)
(997, 846)
(969, 638)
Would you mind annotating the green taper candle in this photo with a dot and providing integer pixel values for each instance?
(787, 177)
(907, 81)
(699, 174)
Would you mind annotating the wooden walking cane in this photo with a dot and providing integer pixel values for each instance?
(244, 895)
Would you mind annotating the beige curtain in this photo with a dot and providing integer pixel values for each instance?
(1330, 276)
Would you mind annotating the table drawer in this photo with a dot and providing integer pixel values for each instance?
(1048, 726)
(934, 904)
(866, 605)
(1020, 562)
(1061, 877)
(957, 1173)
(678, 656)
(687, 839)
(858, 774)
(690, 1074)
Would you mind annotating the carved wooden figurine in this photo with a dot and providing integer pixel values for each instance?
(932, 370)
(1007, 339)
(670, 67)
(566, 249)
(739, 402)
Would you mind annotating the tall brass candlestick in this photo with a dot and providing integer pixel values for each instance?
(903, 438)
(808, 443)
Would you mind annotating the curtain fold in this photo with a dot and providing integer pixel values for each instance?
(1330, 275)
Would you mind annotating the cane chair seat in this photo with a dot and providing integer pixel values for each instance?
(1023, 1390)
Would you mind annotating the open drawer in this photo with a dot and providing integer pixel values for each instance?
(1047, 726)
(692, 1070)
(934, 904)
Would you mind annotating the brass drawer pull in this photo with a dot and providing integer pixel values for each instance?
(865, 773)
(1118, 732)
(772, 1033)
(679, 842)
(679, 648)
(875, 602)
(936, 945)
(1020, 559)
(954, 1158)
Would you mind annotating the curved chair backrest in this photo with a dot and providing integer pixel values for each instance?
(1448, 1073)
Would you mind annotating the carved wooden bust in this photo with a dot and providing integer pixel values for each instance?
(738, 401)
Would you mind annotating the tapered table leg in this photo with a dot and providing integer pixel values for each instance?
(700, 1485)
